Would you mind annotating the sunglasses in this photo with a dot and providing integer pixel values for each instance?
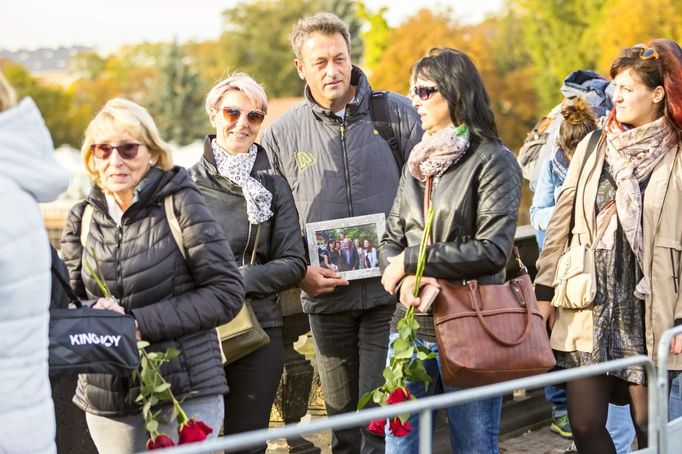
(125, 150)
(424, 92)
(232, 114)
(647, 53)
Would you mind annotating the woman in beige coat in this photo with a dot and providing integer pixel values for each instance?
(627, 193)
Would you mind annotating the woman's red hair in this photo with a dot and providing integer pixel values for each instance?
(670, 59)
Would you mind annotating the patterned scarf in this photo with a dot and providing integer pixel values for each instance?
(437, 152)
(633, 154)
(237, 168)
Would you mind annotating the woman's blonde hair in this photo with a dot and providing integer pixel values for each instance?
(241, 82)
(8, 97)
(123, 114)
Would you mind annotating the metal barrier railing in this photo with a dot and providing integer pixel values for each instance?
(662, 388)
(424, 406)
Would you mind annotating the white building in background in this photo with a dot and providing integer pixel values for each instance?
(50, 65)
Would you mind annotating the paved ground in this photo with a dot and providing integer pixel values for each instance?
(540, 441)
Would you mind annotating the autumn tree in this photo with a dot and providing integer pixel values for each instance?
(178, 100)
(645, 19)
(375, 36)
(255, 39)
(65, 121)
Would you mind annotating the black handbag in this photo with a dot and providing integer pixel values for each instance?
(86, 340)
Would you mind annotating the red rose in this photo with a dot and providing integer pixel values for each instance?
(398, 429)
(161, 441)
(192, 431)
(399, 395)
(377, 426)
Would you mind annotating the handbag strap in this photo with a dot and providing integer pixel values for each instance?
(591, 146)
(475, 298)
(428, 189)
(65, 285)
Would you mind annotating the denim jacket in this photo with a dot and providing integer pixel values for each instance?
(546, 193)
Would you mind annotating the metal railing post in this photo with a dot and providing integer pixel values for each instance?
(662, 387)
(425, 431)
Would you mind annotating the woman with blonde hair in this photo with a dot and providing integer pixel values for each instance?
(624, 196)
(256, 210)
(176, 297)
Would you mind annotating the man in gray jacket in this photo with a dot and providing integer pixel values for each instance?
(338, 166)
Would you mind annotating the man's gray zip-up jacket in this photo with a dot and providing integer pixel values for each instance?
(339, 168)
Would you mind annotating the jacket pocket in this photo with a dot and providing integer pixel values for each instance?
(669, 250)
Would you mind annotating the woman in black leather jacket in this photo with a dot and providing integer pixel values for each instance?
(245, 196)
(476, 195)
(176, 302)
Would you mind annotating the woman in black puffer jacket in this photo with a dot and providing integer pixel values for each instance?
(245, 196)
(176, 302)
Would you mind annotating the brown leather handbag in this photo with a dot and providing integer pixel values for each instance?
(488, 333)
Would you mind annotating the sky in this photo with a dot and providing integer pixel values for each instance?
(27, 24)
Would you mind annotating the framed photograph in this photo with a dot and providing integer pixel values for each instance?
(347, 245)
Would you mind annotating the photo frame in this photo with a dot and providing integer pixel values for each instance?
(347, 245)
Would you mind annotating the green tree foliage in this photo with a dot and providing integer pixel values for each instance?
(178, 100)
(65, 120)
(375, 36)
(561, 37)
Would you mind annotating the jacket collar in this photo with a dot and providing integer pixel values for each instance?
(208, 160)
(358, 105)
(156, 185)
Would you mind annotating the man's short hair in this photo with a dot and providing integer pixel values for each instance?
(325, 23)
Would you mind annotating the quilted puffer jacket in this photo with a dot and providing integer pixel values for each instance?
(29, 174)
(176, 302)
(280, 258)
(476, 205)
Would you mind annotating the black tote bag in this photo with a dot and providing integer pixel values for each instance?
(86, 340)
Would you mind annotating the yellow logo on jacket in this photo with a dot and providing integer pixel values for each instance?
(303, 160)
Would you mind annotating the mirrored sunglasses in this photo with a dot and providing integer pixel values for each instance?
(232, 114)
(647, 53)
(125, 150)
(424, 92)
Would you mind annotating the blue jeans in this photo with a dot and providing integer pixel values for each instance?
(350, 349)
(474, 427)
(675, 402)
(556, 396)
(619, 425)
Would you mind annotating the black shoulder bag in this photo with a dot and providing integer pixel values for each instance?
(87, 340)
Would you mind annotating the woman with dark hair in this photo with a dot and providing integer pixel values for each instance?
(371, 259)
(626, 196)
(476, 193)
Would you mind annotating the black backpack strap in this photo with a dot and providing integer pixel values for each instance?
(381, 120)
(591, 147)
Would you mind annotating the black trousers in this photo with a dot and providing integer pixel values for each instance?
(253, 382)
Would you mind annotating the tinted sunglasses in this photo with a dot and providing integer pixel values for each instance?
(232, 114)
(424, 92)
(647, 53)
(125, 150)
